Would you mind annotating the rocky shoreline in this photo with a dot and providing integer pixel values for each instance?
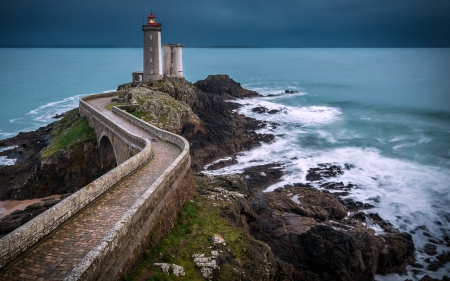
(305, 233)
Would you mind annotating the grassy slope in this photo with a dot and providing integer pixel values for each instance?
(67, 132)
(197, 222)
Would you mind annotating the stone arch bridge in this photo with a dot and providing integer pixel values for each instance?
(100, 231)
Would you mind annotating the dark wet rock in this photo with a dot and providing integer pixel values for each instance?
(344, 193)
(385, 225)
(286, 92)
(262, 176)
(274, 111)
(324, 171)
(375, 199)
(434, 241)
(353, 205)
(337, 186)
(222, 163)
(260, 109)
(428, 278)
(348, 166)
(417, 265)
(268, 125)
(334, 185)
(223, 85)
(239, 213)
(233, 105)
(430, 249)
(331, 254)
(263, 109)
(313, 203)
(439, 262)
(397, 253)
(266, 138)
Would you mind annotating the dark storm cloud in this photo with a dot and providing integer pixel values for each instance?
(282, 23)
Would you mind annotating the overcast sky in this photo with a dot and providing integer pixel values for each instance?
(203, 23)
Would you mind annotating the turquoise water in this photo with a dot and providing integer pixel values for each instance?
(386, 111)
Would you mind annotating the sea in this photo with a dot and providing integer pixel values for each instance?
(384, 111)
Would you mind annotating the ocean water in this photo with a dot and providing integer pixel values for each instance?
(385, 111)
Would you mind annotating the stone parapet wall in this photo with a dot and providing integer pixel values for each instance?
(26, 236)
(147, 221)
(127, 144)
(165, 135)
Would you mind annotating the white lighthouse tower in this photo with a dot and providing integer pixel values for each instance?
(152, 50)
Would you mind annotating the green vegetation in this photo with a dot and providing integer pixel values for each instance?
(163, 119)
(110, 105)
(138, 114)
(194, 228)
(67, 132)
(159, 84)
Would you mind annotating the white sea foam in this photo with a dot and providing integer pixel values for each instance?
(44, 114)
(5, 161)
(217, 161)
(7, 148)
(304, 116)
(265, 91)
(296, 199)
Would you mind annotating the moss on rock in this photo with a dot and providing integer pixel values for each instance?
(161, 110)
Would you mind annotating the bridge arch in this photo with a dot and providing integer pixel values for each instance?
(106, 152)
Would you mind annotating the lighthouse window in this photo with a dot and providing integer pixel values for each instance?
(151, 59)
(151, 71)
(151, 37)
(151, 49)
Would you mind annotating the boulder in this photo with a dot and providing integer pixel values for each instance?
(223, 85)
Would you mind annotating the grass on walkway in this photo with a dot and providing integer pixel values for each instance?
(110, 105)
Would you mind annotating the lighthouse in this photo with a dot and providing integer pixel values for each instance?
(153, 67)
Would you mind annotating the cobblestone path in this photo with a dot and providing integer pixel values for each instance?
(54, 258)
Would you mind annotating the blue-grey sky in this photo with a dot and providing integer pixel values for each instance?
(202, 23)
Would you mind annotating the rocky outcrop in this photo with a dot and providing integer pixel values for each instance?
(219, 131)
(161, 110)
(312, 233)
(223, 85)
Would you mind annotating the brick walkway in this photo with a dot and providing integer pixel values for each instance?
(54, 258)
